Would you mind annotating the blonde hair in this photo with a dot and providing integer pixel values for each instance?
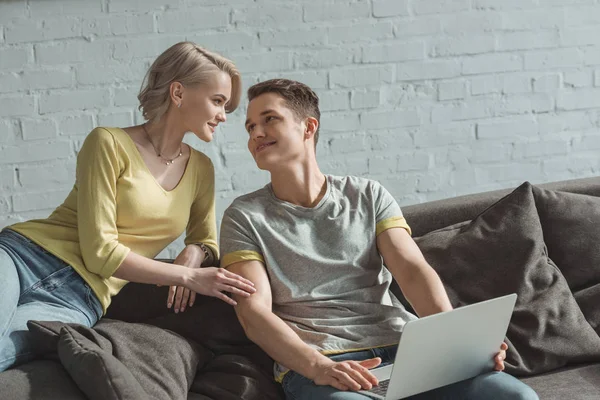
(188, 64)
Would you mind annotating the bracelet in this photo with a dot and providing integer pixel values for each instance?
(208, 257)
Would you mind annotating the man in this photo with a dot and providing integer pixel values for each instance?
(313, 246)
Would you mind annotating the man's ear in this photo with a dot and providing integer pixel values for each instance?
(311, 127)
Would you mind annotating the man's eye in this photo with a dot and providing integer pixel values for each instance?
(269, 118)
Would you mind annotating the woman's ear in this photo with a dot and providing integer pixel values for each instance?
(176, 91)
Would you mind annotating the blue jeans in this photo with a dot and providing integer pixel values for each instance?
(37, 286)
(490, 386)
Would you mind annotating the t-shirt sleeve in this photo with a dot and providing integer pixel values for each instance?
(387, 211)
(97, 172)
(202, 225)
(237, 241)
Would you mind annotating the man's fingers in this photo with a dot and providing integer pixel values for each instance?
(345, 379)
(171, 296)
(185, 298)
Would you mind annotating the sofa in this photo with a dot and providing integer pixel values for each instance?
(540, 242)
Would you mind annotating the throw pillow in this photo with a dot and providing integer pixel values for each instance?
(502, 251)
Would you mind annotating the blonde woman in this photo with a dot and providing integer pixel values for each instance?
(137, 189)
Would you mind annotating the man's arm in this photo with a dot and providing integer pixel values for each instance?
(420, 284)
(282, 344)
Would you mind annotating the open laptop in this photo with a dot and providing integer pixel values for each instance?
(445, 348)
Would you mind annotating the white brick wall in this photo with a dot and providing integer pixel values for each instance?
(434, 98)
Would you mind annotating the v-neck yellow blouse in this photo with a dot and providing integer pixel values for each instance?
(117, 206)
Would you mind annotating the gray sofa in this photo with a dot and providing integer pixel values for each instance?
(474, 242)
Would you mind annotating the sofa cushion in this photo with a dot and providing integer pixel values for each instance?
(119, 360)
(502, 251)
(581, 383)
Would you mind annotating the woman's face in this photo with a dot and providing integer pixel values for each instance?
(203, 106)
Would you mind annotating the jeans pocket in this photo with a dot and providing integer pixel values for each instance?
(55, 280)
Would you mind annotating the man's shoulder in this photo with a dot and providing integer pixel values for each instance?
(352, 184)
(250, 202)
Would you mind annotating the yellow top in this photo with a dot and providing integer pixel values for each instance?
(117, 206)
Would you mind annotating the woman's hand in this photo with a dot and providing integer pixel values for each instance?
(191, 256)
(213, 281)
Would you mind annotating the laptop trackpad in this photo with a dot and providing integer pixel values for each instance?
(383, 373)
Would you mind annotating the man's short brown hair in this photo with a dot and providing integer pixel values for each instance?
(298, 97)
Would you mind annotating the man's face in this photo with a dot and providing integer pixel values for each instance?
(275, 135)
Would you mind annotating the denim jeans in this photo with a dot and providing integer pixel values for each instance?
(489, 386)
(37, 286)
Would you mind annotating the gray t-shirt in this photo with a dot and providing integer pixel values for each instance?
(327, 277)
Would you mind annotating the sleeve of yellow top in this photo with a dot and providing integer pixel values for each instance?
(202, 226)
(392, 222)
(96, 181)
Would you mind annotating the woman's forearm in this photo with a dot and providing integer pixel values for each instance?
(137, 268)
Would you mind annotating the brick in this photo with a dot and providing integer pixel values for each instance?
(460, 112)
(126, 96)
(418, 26)
(72, 52)
(440, 6)
(383, 165)
(577, 16)
(578, 99)
(591, 56)
(389, 119)
(293, 38)
(597, 77)
(35, 80)
(42, 8)
(7, 179)
(578, 78)
(10, 82)
(451, 90)
(471, 22)
(390, 140)
(361, 76)
(586, 36)
(274, 15)
(393, 52)
(35, 152)
(76, 100)
(505, 4)
(337, 11)
(487, 63)
(516, 83)
(182, 21)
(116, 25)
(549, 83)
(12, 10)
(22, 31)
(560, 58)
(47, 176)
(339, 122)
(38, 200)
(365, 98)
(121, 6)
(360, 32)
(96, 74)
(12, 106)
(249, 180)
(14, 57)
(314, 79)
(390, 8)
(533, 20)
(525, 104)
(527, 40)
(264, 62)
(348, 144)
(542, 148)
(414, 161)
(445, 134)
(459, 45)
(132, 49)
(115, 119)
(564, 121)
(587, 142)
(490, 152)
(9, 129)
(510, 127)
(34, 129)
(226, 41)
(75, 125)
(346, 165)
(326, 58)
(520, 171)
(335, 100)
(436, 69)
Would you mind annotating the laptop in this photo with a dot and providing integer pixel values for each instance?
(445, 348)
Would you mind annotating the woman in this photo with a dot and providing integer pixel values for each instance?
(137, 189)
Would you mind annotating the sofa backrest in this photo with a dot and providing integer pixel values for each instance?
(427, 217)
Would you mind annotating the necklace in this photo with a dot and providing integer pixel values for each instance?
(166, 160)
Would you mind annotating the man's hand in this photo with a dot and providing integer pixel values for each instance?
(347, 375)
(191, 256)
(500, 357)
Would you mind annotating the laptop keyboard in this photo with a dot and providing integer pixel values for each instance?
(380, 389)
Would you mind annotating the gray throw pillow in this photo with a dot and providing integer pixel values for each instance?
(502, 251)
(120, 360)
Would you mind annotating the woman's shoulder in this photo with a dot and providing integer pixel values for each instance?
(202, 160)
(103, 135)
